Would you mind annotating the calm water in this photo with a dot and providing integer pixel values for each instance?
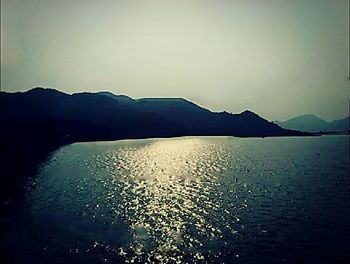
(195, 200)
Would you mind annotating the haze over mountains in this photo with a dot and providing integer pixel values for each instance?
(312, 123)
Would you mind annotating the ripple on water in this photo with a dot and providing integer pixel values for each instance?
(168, 195)
(189, 200)
(166, 192)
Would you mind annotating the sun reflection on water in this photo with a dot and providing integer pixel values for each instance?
(168, 199)
(181, 200)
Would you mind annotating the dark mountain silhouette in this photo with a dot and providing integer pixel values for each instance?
(312, 123)
(39, 121)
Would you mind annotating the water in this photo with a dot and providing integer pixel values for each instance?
(194, 200)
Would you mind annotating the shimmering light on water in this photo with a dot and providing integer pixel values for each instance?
(191, 200)
(168, 198)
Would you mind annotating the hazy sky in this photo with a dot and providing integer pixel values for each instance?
(279, 58)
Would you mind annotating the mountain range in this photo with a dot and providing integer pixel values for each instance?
(37, 122)
(312, 123)
(102, 116)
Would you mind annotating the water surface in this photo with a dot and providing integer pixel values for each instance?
(195, 200)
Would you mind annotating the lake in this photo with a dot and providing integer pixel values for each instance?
(191, 199)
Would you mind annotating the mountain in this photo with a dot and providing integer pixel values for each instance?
(37, 122)
(340, 124)
(312, 123)
(105, 116)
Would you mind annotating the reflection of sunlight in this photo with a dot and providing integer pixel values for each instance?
(168, 159)
(168, 197)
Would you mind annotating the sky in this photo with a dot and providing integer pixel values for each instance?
(278, 58)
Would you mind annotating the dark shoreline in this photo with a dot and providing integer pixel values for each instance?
(38, 122)
(32, 155)
(22, 160)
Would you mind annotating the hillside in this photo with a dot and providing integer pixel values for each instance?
(39, 121)
(312, 123)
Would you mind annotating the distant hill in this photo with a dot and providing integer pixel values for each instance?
(105, 116)
(312, 123)
(39, 121)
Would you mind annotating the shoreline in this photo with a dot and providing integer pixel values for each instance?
(15, 176)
